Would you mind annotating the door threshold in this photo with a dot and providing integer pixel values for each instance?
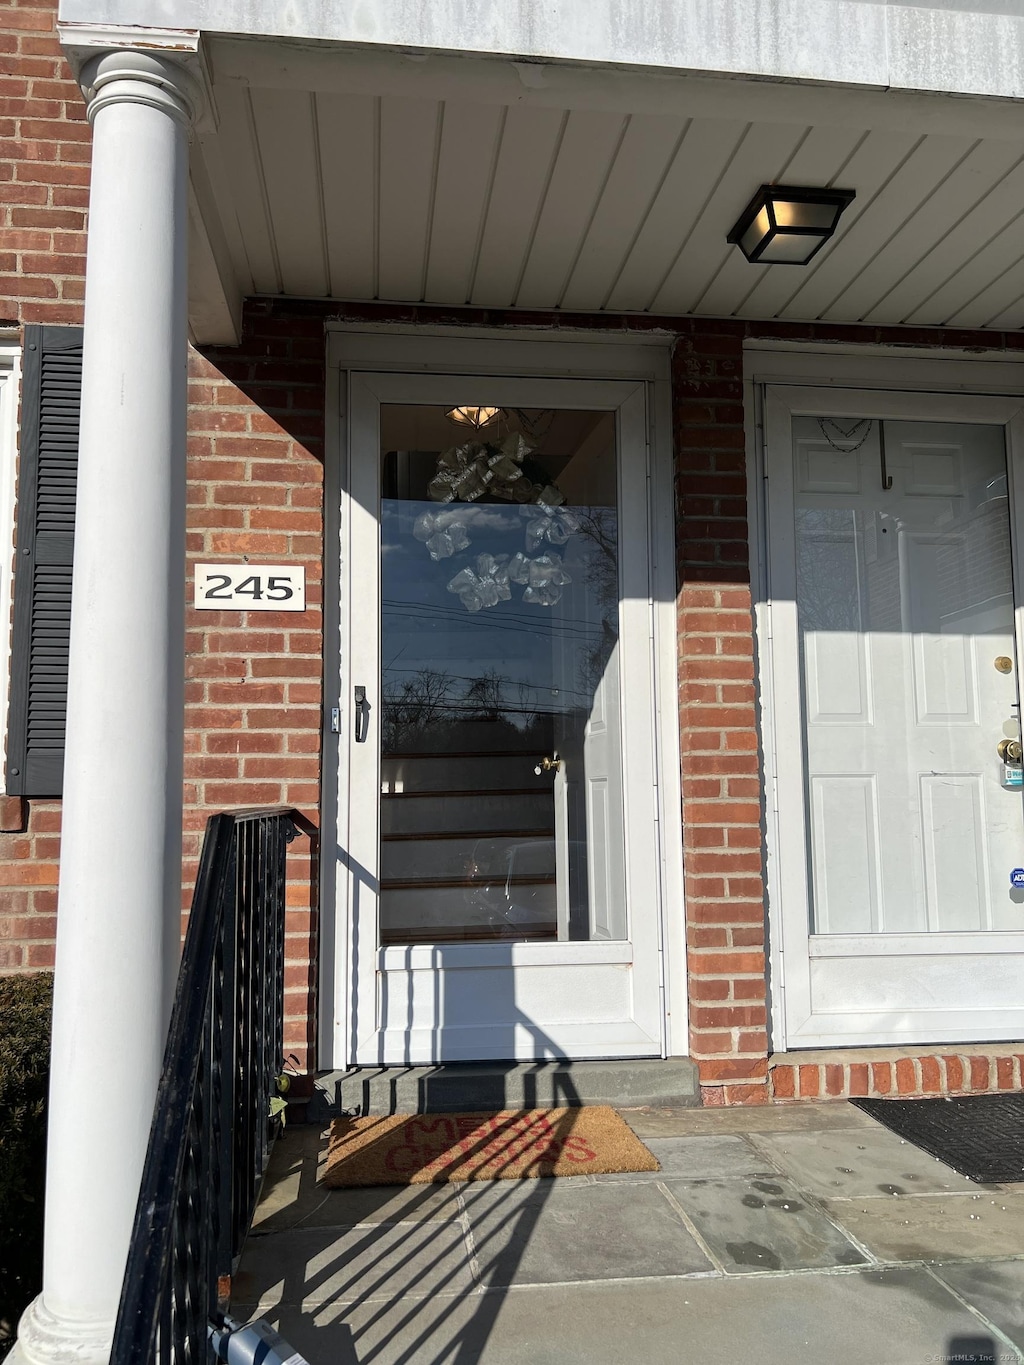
(470, 1087)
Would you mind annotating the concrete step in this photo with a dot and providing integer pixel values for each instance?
(479, 1086)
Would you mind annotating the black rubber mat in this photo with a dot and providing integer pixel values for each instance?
(981, 1136)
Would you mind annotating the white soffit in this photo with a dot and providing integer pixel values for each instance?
(454, 181)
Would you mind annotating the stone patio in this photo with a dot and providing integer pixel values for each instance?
(803, 1234)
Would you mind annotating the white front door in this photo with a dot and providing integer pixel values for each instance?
(499, 855)
(899, 823)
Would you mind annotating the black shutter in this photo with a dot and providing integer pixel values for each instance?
(47, 476)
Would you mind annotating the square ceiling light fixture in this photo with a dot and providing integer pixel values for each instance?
(787, 225)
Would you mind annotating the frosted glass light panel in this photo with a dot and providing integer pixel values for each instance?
(909, 676)
(501, 787)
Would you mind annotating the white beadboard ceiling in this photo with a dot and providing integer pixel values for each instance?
(510, 194)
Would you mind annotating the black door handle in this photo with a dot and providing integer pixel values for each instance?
(362, 715)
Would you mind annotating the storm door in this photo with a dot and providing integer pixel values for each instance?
(502, 847)
(897, 717)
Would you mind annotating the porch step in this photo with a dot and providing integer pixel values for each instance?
(473, 1086)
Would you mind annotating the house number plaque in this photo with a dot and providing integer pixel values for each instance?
(250, 587)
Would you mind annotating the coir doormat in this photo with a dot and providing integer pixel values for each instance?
(981, 1136)
(414, 1149)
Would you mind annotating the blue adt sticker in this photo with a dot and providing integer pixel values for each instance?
(1017, 877)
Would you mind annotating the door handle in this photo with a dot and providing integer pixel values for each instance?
(362, 710)
(548, 765)
(1010, 750)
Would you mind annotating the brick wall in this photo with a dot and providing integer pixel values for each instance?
(44, 177)
(255, 489)
(44, 172)
(721, 784)
(255, 471)
(253, 691)
(910, 1072)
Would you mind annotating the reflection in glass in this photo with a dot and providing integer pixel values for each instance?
(500, 589)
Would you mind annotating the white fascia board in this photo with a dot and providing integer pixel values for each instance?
(973, 50)
(956, 51)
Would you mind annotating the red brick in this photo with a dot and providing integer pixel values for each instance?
(858, 1078)
(754, 1093)
(783, 1080)
(980, 1069)
(752, 1040)
(1004, 1073)
(732, 1068)
(906, 1077)
(835, 1081)
(28, 874)
(747, 937)
(881, 1077)
(808, 1081)
(931, 1076)
(244, 742)
(12, 813)
(700, 937)
(240, 794)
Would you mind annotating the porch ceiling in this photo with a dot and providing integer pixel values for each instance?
(454, 181)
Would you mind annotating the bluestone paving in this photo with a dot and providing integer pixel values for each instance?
(716, 1154)
(768, 1118)
(935, 1227)
(572, 1230)
(996, 1288)
(887, 1317)
(758, 1223)
(859, 1162)
(352, 1264)
(743, 1247)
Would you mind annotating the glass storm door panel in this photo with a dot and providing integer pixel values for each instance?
(905, 610)
(895, 698)
(501, 782)
(499, 606)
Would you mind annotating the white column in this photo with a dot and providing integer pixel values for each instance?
(120, 876)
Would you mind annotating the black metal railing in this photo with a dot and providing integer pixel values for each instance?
(212, 1131)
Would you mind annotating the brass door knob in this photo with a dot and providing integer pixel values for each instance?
(548, 765)
(1010, 750)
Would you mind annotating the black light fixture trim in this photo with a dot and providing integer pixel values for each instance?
(768, 230)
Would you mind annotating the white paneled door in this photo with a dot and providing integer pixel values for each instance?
(894, 651)
(499, 826)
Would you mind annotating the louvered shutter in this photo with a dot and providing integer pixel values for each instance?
(47, 475)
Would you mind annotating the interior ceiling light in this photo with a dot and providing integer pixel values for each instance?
(473, 417)
(788, 225)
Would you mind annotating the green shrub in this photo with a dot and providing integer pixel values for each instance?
(25, 1005)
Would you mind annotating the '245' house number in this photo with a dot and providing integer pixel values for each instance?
(250, 587)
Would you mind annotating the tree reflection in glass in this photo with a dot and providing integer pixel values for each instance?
(499, 643)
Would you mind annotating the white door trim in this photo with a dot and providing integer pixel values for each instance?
(529, 355)
(770, 405)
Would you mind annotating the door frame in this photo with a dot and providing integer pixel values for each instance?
(529, 355)
(944, 386)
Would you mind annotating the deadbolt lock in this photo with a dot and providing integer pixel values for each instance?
(1010, 750)
(552, 765)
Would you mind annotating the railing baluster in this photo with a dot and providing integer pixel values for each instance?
(211, 1131)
